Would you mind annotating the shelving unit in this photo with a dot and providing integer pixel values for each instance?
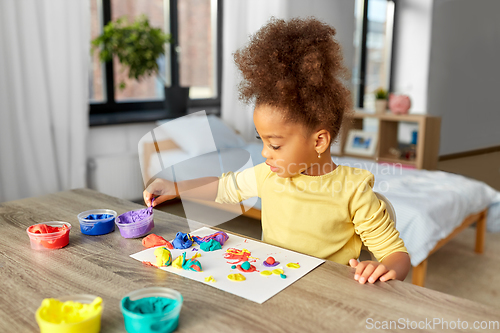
(427, 147)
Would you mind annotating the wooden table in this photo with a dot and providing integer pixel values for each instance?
(325, 300)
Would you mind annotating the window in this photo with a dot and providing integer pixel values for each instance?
(373, 42)
(191, 61)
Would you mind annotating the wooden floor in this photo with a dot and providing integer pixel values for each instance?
(455, 269)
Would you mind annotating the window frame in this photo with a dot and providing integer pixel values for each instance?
(112, 112)
(359, 103)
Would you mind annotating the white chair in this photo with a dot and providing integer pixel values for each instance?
(388, 205)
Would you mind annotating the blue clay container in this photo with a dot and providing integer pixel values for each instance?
(97, 221)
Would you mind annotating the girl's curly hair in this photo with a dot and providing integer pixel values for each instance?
(297, 67)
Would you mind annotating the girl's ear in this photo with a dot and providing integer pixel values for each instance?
(323, 140)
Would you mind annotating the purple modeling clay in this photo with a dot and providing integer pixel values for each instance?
(136, 215)
(136, 223)
(219, 236)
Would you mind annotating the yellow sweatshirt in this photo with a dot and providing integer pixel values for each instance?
(326, 216)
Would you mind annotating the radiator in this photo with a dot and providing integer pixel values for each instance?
(117, 175)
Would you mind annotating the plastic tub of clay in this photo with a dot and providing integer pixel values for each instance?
(97, 221)
(136, 223)
(153, 309)
(54, 317)
(49, 235)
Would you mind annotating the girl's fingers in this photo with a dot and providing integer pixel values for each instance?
(369, 269)
(353, 262)
(380, 270)
(147, 198)
(390, 275)
(359, 270)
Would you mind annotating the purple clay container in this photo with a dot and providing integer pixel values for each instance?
(136, 223)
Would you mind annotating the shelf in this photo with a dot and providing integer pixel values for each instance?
(388, 116)
(358, 156)
(426, 148)
(397, 160)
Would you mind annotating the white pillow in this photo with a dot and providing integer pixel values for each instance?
(199, 134)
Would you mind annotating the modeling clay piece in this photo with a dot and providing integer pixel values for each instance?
(237, 255)
(270, 262)
(45, 229)
(233, 267)
(179, 261)
(236, 277)
(266, 273)
(278, 271)
(155, 240)
(283, 276)
(293, 265)
(211, 245)
(182, 241)
(210, 279)
(136, 215)
(189, 265)
(246, 267)
(163, 257)
(57, 312)
(219, 236)
(192, 265)
(197, 255)
(150, 305)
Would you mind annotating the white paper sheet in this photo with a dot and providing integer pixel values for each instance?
(256, 287)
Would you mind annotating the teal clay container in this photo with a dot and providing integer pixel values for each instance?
(164, 322)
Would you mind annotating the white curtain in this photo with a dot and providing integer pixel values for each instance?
(242, 18)
(44, 68)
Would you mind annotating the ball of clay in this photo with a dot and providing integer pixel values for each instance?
(245, 265)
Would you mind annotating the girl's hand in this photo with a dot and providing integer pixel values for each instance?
(371, 271)
(161, 189)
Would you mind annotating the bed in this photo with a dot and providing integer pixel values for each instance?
(431, 207)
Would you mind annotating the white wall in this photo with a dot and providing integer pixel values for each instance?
(337, 13)
(412, 46)
(464, 73)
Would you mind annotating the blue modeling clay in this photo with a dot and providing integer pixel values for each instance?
(105, 223)
(182, 241)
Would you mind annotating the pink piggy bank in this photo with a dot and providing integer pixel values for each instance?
(399, 104)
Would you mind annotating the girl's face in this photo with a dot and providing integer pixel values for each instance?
(289, 148)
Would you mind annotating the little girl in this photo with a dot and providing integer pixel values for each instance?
(292, 71)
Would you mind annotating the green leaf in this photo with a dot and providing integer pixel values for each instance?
(137, 46)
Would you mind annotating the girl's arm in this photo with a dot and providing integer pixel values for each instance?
(201, 188)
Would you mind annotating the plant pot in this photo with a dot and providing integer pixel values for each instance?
(380, 106)
(176, 101)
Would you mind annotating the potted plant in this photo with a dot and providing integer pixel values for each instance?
(381, 100)
(137, 47)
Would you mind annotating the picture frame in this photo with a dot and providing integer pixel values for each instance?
(361, 143)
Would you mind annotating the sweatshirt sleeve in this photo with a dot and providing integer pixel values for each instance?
(372, 222)
(235, 187)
